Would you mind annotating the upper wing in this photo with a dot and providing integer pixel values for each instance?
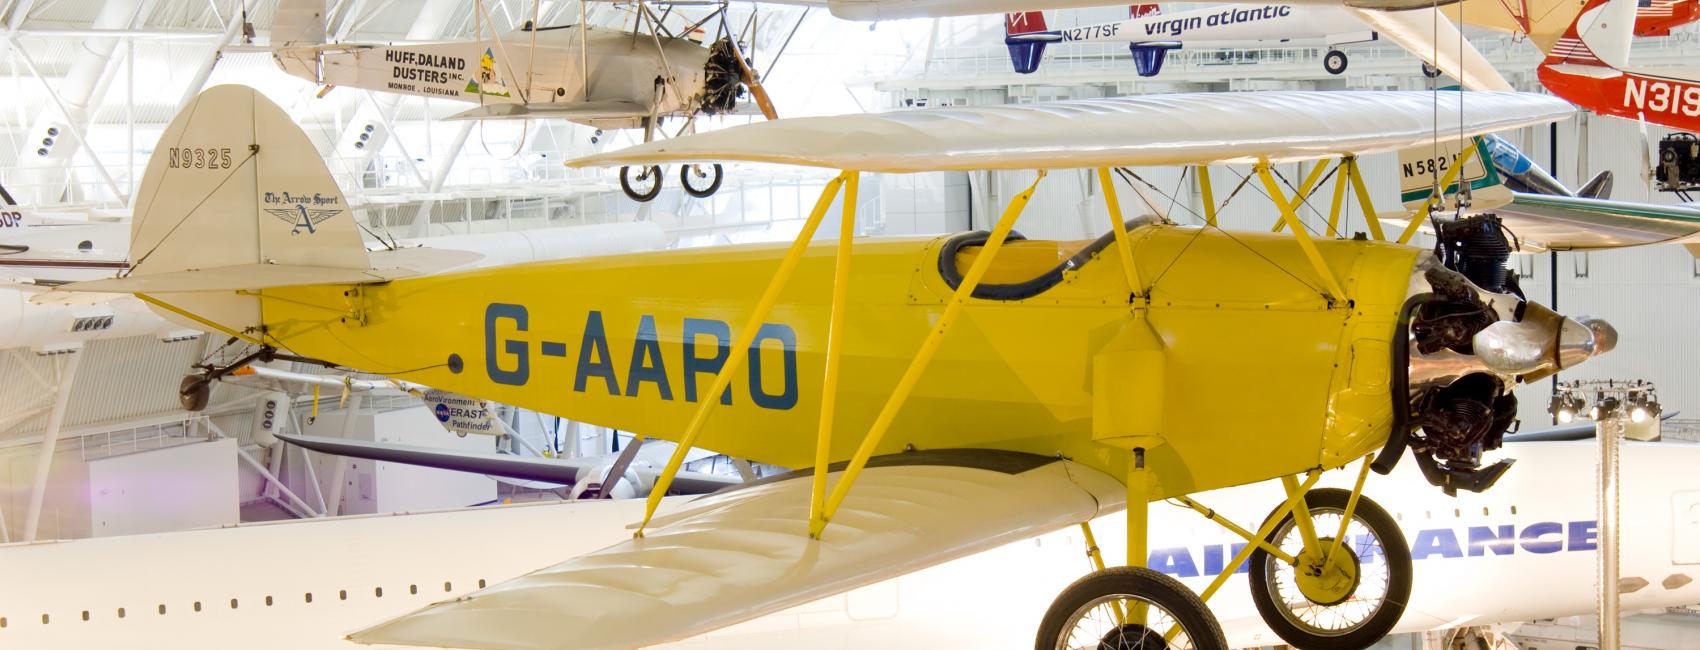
(563, 471)
(1182, 129)
(546, 110)
(745, 552)
(1433, 38)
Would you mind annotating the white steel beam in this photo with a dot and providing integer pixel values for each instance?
(50, 442)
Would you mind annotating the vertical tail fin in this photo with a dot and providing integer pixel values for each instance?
(1026, 34)
(298, 23)
(1141, 11)
(234, 183)
(1599, 37)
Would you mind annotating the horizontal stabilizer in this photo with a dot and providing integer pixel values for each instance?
(230, 278)
(1179, 129)
(563, 471)
(564, 111)
(745, 552)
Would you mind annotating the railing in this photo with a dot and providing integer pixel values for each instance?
(162, 435)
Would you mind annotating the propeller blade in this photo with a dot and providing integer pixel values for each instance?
(754, 83)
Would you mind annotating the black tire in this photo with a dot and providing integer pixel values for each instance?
(1430, 71)
(1334, 62)
(1156, 588)
(1398, 584)
(685, 174)
(193, 393)
(653, 171)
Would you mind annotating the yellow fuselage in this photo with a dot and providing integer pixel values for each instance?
(1262, 375)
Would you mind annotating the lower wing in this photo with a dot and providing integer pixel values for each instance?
(746, 552)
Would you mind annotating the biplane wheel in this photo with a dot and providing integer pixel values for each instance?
(1334, 62)
(1094, 612)
(1430, 71)
(689, 171)
(1346, 602)
(194, 392)
(649, 181)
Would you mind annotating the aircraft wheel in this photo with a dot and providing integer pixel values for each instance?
(1095, 612)
(693, 171)
(1430, 71)
(648, 181)
(194, 392)
(1346, 602)
(1334, 62)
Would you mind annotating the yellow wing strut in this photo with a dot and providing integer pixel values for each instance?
(746, 336)
(923, 356)
(834, 350)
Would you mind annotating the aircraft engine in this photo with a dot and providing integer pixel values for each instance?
(723, 79)
(1471, 338)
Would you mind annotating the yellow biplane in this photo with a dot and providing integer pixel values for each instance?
(942, 395)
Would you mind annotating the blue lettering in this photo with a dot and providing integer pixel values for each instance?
(1440, 541)
(1584, 535)
(1532, 537)
(646, 361)
(595, 343)
(522, 369)
(787, 338)
(1501, 542)
(695, 365)
(1173, 561)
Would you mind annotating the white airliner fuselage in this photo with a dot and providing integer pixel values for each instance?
(1524, 550)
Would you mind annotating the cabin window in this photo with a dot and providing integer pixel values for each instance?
(309, 596)
(120, 612)
(378, 591)
(268, 601)
(162, 609)
(342, 594)
(2, 621)
(85, 615)
(233, 603)
(480, 583)
(197, 605)
(413, 589)
(447, 587)
(1484, 512)
(43, 619)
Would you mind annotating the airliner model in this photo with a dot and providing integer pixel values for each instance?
(1590, 68)
(1522, 551)
(1150, 34)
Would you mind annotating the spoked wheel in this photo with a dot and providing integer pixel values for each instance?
(709, 174)
(1344, 602)
(1128, 608)
(645, 187)
(1334, 62)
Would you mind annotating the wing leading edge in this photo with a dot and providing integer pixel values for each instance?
(1179, 129)
(745, 552)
